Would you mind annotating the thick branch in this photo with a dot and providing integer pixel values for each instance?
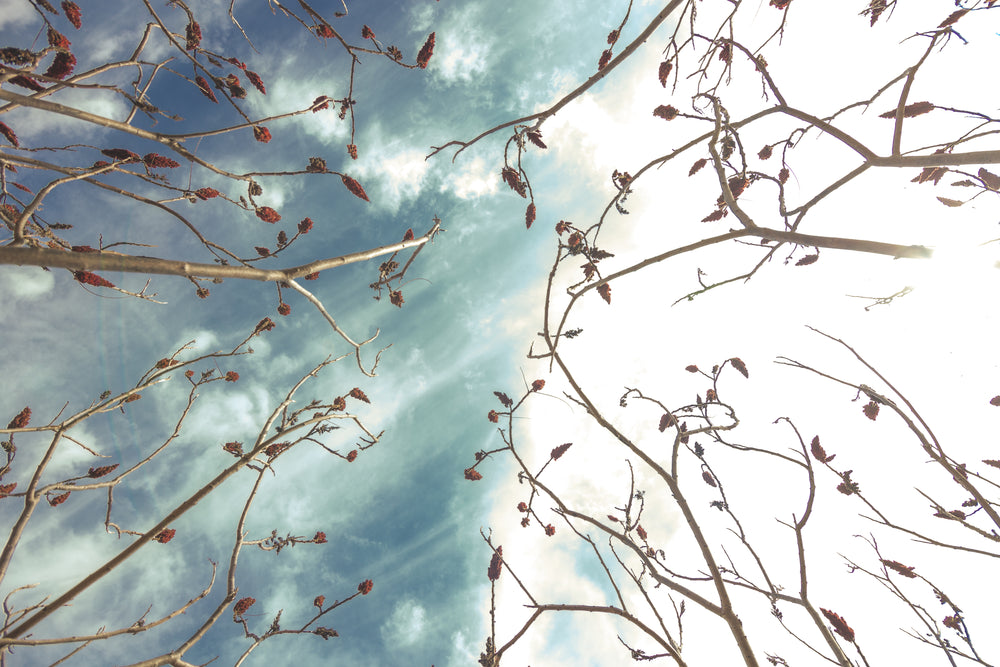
(111, 261)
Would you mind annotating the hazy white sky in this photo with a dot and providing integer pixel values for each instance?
(930, 344)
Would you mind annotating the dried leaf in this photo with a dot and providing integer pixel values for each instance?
(666, 421)
(665, 67)
(697, 166)
(535, 137)
(950, 202)
(817, 449)
(932, 174)
(605, 292)
(910, 110)
(808, 259)
(871, 410)
(875, 9)
(991, 180)
(896, 566)
(557, 452)
(953, 18)
(666, 112)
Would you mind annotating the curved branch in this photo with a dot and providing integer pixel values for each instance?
(542, 116)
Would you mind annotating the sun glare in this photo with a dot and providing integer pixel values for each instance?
(959, 272)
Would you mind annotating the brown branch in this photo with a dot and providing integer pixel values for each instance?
(542, 116)
(112, 261)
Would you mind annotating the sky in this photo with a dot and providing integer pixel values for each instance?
(402, 514)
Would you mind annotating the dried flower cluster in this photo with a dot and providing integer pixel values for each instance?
(88, 278)
(840, 626)
(165, 535)
(62, 65)
(496, 565)
(354, 187)
(9, 135)
(101, 471)
(205, 89)
(265, 324)
(268, 214)
(242, 606)
(72, 12)
(426, 51)
(21, 420)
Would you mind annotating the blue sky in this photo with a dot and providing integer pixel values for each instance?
(401, 514)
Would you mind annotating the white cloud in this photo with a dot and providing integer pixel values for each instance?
(202, 341)
(26, 282)
(474, 179)
(402, 175)
(71, 459)
(39, 128)
(558, 81)
(463, 651)
(461, 49)
(462, 62)
(515, 317)
(405, 625)
(293, 86)
(15, 14)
